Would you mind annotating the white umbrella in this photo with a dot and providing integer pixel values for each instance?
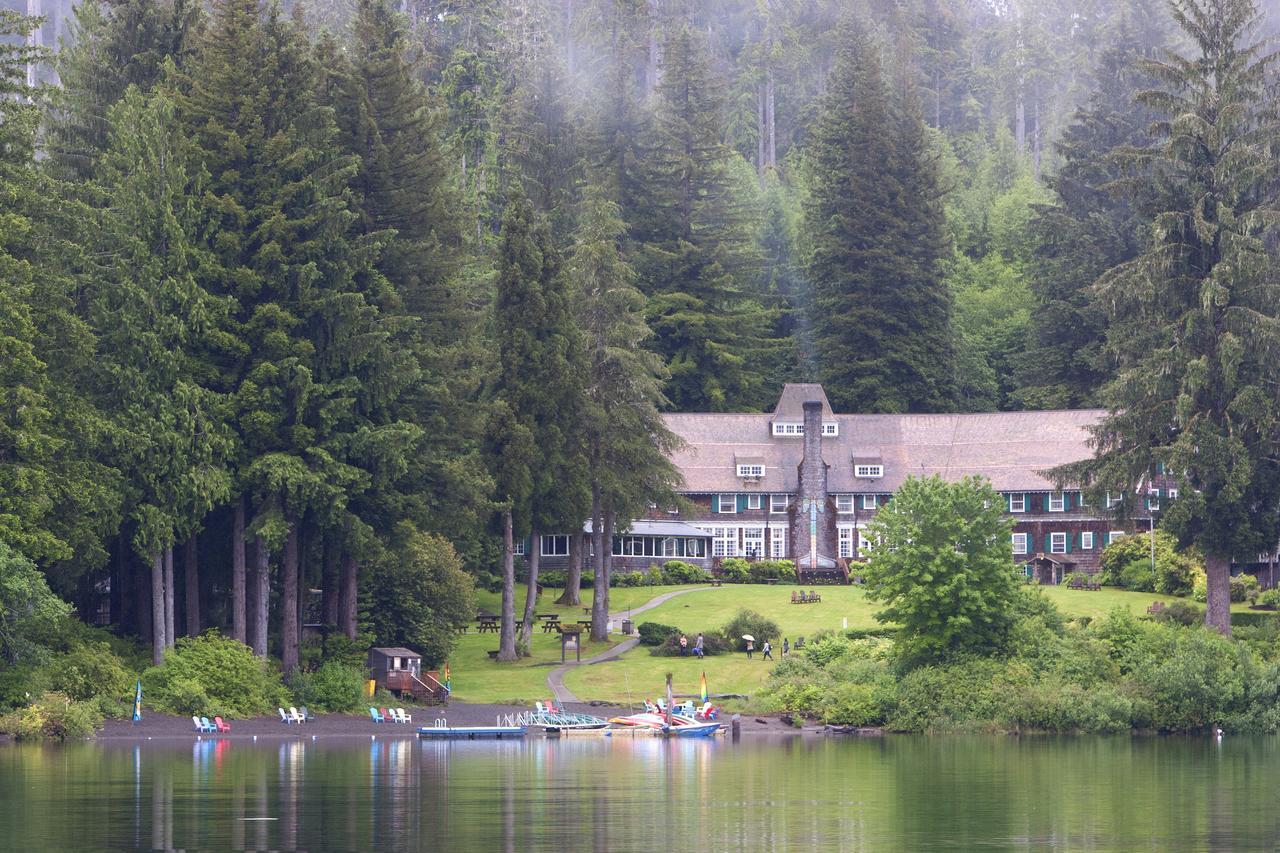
(748, 638)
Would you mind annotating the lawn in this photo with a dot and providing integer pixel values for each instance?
(638, 674)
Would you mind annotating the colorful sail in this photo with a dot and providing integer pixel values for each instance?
(704, 688)
(137, 702)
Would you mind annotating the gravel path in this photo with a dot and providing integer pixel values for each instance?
(555, 679)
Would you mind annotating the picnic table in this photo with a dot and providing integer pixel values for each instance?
(550, 621)
(585, 623)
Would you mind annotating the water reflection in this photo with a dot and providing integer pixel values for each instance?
(643, 794)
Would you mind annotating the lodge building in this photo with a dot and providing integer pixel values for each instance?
(802, 483)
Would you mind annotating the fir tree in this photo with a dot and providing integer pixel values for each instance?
(881, 313)
(1195, 315)
(699, 262)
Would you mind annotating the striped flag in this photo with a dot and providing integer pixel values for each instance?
(704, 688)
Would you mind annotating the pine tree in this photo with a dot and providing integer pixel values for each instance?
(625, 440)
(1088, 230)
(881, 313)
(699, 262)
(1195, 315)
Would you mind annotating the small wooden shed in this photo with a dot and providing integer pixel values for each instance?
(400, 671)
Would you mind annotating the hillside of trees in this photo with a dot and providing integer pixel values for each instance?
(308, 296)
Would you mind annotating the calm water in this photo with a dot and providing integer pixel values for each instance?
(895, 793)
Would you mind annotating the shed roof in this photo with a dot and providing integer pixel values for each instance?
(1011, 449)
(397, 652)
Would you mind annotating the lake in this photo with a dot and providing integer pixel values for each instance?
(908, 793)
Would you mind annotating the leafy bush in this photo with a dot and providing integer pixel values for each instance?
(92, 672)
(333, 686)
(1058, 707)
(655, 633)
(627, 579)
(1244, 587)
(1181, 613)
(1174, 572)
(19, 684)
(1137, 576)
(678, 571)
(734, 570)
(765, 570)
(337, 648)
(851, 705)
(1192, 676)
(53, 716)
(1269, 598)
(225, 672)
(966, 694)
(750, 622)
(711, 645)
(1077, 578)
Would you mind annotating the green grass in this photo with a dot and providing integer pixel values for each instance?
(637, 674)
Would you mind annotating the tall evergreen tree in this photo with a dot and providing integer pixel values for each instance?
(873, 213)
(1089, 229)
(699, 263)
(1196, 315)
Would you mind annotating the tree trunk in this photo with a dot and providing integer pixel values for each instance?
(331, 600)
(600, 592)
(142, 583)
(531, 596)
(261, 595)
(572, 594)
(289, 602)
(1217, 612)
(238, 631)
(507, 636)
(761, 133)
(158, 642)
(168, 597)
(349, 593)
(120, 587)
(191, 571)
(770, 121)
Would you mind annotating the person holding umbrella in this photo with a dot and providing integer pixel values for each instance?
(751, 644)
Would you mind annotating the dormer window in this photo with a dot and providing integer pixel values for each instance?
(780, 428)
(868, 471)
(831, 429)
(751, 471)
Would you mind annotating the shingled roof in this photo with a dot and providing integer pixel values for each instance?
(1012, 449)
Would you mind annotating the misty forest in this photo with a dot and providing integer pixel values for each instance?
(353, 296)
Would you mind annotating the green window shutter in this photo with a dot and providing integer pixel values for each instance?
(1008, 503)
(1048, 543)
(742, 503)
(1071, 538)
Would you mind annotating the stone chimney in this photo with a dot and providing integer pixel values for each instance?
(811, 527)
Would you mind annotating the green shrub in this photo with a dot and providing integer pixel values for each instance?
(851, 705)
(337, 648)
(711, 645)
(803, 699)
(627, 579)
(1137, 576)
(234, 682)
(20, 683)
(750, 622)
(655, 633)
(1193, 677)
(1255, 619)
(735, 570)
(332, 687)
(1244, 587)
(765, 570)
(825, 648)
(52, 716)
(1174, 572)
(1077, 578)
(1270, 597)
(678, 571)
(1063, 707)
(887, 632)
(92, 671)
(1181, 613)
(965, 694)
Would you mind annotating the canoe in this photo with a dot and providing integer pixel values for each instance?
(694, 730)
(471, 732)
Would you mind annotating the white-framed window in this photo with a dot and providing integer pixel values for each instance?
(724, 541)
(1153, 499)
(695, 548)
(1114, 535)
(517, 547)
(844, 503)
(555, 546)
(831, 429)
(788, 429)
(846, 542)
(868, 471)
(870, 501)
(778, 503)
(1113, 500)
(864, 545)
(1019, 543)
(1173, 494)
(1057, 543)
(1017, 502)
(750, 470)
(753, 541)
(726, 503)
(673, 510)
(672, 547)
(1086, 540)
(755, 501)
(777, 542)
(1057, 502)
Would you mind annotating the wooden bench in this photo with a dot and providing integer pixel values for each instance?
(1156, 607)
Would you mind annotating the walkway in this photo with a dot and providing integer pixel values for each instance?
(555, 679)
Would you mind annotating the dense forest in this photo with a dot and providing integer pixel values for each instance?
(344, 297)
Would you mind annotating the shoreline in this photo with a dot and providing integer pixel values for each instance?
(155, 726)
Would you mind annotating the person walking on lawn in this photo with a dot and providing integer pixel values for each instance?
(684, 645)
(768, 651)
(697, 646)
(786, 646)
(751, 647)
